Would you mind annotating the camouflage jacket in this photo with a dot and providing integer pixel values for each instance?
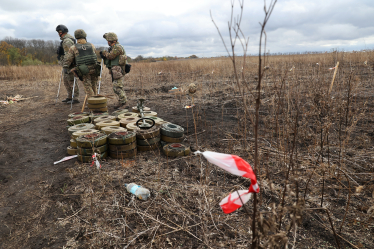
(115, 51)
(67, 42)
(73, 52)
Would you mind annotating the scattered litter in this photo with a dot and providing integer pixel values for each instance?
(365, 62)
(11, 100)
(331, 68)
(189, 106)
(176, 90)
(292, 68)
(65, 159)
(140, 192)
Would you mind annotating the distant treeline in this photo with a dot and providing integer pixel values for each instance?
(22, 52)
(15, 51)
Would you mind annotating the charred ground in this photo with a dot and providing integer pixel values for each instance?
(73, 205)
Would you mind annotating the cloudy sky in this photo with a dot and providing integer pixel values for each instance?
(183, 28)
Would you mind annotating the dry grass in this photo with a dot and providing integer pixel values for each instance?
(316, 150)
(200, 69)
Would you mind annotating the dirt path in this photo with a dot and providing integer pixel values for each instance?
(32, 137)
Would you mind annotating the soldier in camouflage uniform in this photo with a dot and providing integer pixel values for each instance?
(83, 55)
(66, 42)
(114, 60)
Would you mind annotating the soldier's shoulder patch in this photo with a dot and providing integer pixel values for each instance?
(119, 48)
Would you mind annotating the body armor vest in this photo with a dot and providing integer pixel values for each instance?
(86, 54)
(115, 62)
(60, 50)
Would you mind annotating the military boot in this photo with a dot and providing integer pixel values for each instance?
(75, 101)
(66, 100)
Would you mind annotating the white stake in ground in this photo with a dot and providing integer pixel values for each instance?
(72, 94)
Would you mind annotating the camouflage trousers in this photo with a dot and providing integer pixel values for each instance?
(69, 82)
(90, 84)
(118, 88)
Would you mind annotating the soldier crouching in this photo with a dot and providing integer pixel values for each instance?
(87, 68)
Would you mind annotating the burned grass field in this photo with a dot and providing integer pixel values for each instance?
(315, 167)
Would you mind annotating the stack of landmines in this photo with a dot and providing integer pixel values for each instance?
(172, 136)
(122, 144)
(91, 143)
(146, 139)
(97, 104)
(121, 135)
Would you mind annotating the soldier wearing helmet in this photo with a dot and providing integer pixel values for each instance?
(115, 60)
(66, 42)
(83, 56)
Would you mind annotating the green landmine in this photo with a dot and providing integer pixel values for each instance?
(90, 151)
(92, 140)
(172, 130)
(176, 150)
(122, 147)
(123, 137)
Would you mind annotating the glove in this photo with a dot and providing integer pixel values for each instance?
(74, 71)
(101, 55)
(66, 71)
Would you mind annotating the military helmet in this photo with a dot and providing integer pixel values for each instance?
(110, 36)
(62, 28)
(79, 34)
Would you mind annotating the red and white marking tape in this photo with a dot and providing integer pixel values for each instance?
(236, 166)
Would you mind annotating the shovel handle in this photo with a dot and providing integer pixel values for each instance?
(84, 103)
